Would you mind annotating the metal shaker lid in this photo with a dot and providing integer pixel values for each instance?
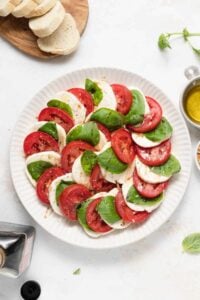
(2, 257)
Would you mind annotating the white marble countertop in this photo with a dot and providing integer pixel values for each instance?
(120, 34)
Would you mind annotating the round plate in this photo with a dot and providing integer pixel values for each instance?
(73, 233)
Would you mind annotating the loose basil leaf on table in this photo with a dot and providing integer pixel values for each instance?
(162, 132)
(60, 104)
(94, 90)
(108, 117)
(170, 167)
(51, 129)
(37, 168)
(191, 243)
(137, 110)
(107, 210)
(135, 198)
(109, 161)
(88, 161)
(87, 132)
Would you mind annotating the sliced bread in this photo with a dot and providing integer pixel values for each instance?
(24, 8)
(42, 8)
(64, 40)
(7, 6)
(45, 25)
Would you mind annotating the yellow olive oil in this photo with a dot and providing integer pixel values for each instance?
(192, 104)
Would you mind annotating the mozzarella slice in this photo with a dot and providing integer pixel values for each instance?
(141, 140)
(48, 156)
(147, 175)
(102, 141)
(78, 173)
(52, 192)
(61, 132)
(109, 100)
(125, 190)
(78, 109)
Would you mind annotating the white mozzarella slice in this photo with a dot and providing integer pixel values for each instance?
(48, 156)
(78, 173)
(78, 109)
(125, 190)
(147, 175)
(141, 140)
(109, 100)
(61, 132)
(52, 192)
(102, 141)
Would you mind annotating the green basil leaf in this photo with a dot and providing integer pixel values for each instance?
(37, 168)
(87, 132)
(170, 167)
(137, 110)
(162, 132)
(108, 117)
(107, 210)
(60, 104)
(191, 243)
(81, 214)
(77, 272)
(88, 161)
(60, 188)
(135, 198)
(94, 90)
(109, 161)
(51, 129)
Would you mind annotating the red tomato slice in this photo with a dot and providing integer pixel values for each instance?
(127, 214)
(124, 98)
(84, 97)
(58, 116)
(151, 120)
(98, 183)
(104, 130)
(39, 141)
(148, 190)
(71, 197)
(155, 156)
(93, 218)
(71, 151)
(44, 182)
(123, 145)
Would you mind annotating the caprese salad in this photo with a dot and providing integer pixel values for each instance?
(101, 155)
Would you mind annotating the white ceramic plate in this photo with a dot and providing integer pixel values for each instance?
(73, 233)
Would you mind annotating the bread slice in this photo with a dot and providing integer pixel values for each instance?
(45, 25)
(42, 8)
(64, 40)
(7, 6)
(24, 8)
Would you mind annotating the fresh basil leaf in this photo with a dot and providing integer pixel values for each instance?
(60, 188)
(87, 132)
(191, 243)
(77, 272)
(94, 90)
(37, 168)
(107, 210)
(137, 110)
(170, 167)
(109, 161)
(162, 132)
(108, 117)
(81, 214)
(51, 129)
(88, 161)
(135, 198)
(60, 104)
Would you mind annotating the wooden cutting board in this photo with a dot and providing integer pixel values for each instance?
(17, 32)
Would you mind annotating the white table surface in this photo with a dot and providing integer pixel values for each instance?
(119, 34)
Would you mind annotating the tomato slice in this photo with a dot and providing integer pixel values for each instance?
(104, 130)
(155, 156)
(98, 183)
(151, 120)
(71, 151)
(44, 182)
(148, 190)
(71, 197)
(84, 97)
(127, 214)
(58, 116)
(93, 218)
(124, 98)
(123, 145)
(39, 141)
